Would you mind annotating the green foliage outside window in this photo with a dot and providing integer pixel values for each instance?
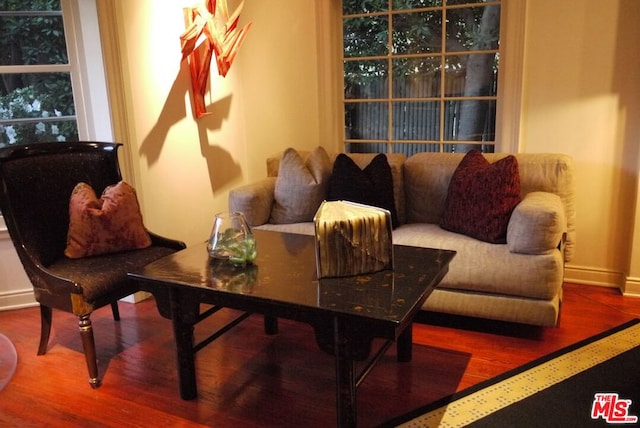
(34, 106)
(420, 75)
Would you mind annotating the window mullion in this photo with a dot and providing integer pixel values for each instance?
(390, 78)
(35, 68)
(443, 79)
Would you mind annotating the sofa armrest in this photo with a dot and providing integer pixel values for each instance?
(537, 224)
(254, 200)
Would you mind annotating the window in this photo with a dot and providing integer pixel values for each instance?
(36, 94)
(420, 75)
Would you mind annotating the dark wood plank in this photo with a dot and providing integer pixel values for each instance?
(251, 379)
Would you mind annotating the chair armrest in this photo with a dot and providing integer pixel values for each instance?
(537, 224)
(254, 200)
(161, 241)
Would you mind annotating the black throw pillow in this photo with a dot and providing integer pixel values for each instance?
(371, 186)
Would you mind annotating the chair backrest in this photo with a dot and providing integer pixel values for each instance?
(36, 181)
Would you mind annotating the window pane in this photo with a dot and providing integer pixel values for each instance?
(366, 147)
(26, 39)
(470, 120)
(414, 4)
(464, 148)
(452, 2)
(36, 98)
(366, 121)
(410, 149)
(351, 7)
(473, 28)
(416, 120)
(30, 5)
(366, 36)
(365, 79)
(419, 32)
(41, 131)
(416, 77)
(472, 75)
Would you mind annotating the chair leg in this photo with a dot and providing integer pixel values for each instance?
(115, 310)
(45, 328)
(89, 346)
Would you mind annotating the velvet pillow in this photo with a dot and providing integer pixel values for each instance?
(481, 197)
(110, 224)
(372, 185)
(301, 186)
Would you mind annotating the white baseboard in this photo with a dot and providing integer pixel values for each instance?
(136, 297)
(17, 299)
(632, 287)
(593, 276)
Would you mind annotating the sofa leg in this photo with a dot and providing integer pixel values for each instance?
(89, 346)
(45, 328)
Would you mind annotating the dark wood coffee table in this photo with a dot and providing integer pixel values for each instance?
(347, 314)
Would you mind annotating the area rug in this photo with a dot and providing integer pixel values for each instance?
(8, 361)
(595, 382)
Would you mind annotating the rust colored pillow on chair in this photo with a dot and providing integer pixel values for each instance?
(110, 224)
(481, 197)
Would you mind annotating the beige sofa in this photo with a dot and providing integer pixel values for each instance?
(520, 281)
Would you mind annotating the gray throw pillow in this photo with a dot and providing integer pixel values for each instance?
(301, 186)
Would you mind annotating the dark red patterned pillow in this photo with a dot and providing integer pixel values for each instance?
(481, 197)
(107, 225)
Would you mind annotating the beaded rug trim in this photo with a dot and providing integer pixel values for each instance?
(479, 404)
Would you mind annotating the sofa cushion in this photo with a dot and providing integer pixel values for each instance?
(301, 186)
(481, 197)
(372, 185)
(110, 224)
(481, 267)
(536, 224)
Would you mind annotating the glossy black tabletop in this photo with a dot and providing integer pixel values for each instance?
(284, 272)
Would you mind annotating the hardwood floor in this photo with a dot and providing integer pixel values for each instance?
(248, 379)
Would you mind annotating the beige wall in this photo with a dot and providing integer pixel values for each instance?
(269, 100)
(580, 96)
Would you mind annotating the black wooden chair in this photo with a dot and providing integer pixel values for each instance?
(36, 181)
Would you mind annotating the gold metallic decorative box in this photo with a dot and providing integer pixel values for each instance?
(352, 239)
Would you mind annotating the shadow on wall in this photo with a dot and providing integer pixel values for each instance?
(221, 165)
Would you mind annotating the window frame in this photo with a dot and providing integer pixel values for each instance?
(510, 78)
(84, 59)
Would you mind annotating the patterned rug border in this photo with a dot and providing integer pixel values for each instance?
(447, 405)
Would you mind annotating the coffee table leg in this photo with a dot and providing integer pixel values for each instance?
(345, 378)
(183, 333)
(270, 324)
(405, 344)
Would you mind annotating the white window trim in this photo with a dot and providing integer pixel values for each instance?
(87, 70)
(510, 81)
